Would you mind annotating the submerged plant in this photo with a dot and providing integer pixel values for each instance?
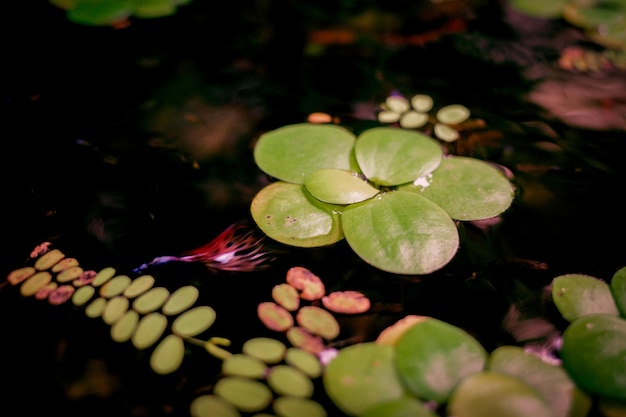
(115, 12)
(391, 193)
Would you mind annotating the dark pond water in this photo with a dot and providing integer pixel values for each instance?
(120, 145)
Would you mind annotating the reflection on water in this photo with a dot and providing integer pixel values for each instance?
(123, 145)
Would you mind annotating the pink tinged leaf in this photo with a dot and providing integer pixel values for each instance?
(61, 294)
(274, 316)
(45, 291)
(310, 285)
(85, 278)
(346, 302)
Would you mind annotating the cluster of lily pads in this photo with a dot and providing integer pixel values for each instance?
(582, 60)
(419, 366)
(137, 311)
(114, 12)
(391, 193)
(604, 21)
(415, 114)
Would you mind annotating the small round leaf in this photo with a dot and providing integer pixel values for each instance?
(335, 186)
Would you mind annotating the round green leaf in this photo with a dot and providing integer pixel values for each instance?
(393, 156)
(287, 380)
(289, 214)
(401, 232)
(291, 153)
(540, 8)
(195, 321)
(100, 12)
(432, 357)
(304, 361)
(246, 394)
(594, 354)
(212, 406)
(265, 349)
(297, 407)
(400, 407)
(578, 295)
(453, 114)
(168, 355)
(492, 394)
(551, 382)
(618, 289)
(338, 187)
(362, 376)
(466, 188)
(244, 365)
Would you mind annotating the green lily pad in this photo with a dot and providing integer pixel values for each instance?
(246, 394)
(392, 156)
(289, 214)
(287, 406)
(492, 394)
(618, 289)
(401, 232)
(154, 8)
(552, 382)
(318, 321)
(287, 380)
(578, 295)
(304, 361)
(432, 357)
(244, 365)
(212, 406)
(466, 188)
(100, 12)
(265, 349)
(338, 187)
(453, 114)
(540, 8)
(168, 355)
(594, 354)
(291, 153)
(399, 407)
(362, 376)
